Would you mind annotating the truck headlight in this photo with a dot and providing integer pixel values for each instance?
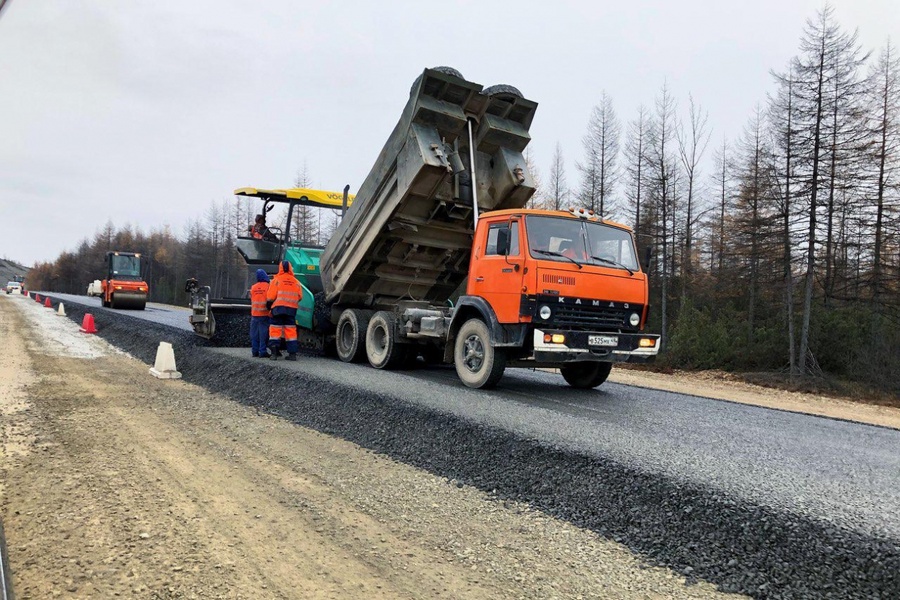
(634, 319)
(544, 312)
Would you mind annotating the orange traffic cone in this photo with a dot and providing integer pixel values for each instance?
(47, 303)
(37, 297)
(87, 324)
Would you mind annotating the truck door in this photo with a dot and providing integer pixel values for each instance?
(496, 271)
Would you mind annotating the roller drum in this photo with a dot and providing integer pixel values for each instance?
(129, 300)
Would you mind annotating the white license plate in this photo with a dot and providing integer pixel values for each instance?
(603, 340)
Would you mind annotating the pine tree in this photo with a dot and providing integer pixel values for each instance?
(601, 152)
(305, 221)
(557, 186)
(691, 147)
(662, 174)
(884, 102)
(635, 160)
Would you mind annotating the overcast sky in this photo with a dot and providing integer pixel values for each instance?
(145, 112)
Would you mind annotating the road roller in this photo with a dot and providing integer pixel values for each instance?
(123, 287)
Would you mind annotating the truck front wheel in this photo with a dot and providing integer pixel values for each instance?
(585, 375)
(382, 346)
(350, 335)
(478, 363)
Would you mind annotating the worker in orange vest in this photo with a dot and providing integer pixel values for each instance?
(259, 315)
(283, 298)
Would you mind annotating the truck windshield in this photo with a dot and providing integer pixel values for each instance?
(611, 246)
(126, 267)
(583, 242)
(554, 238)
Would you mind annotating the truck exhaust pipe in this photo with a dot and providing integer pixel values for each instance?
(472, 175)
(345, 202)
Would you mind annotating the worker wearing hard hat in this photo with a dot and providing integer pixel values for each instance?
(283, 298)
(259, 315)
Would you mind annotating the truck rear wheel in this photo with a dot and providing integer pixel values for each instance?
(478, 363)
(585, 375)
(383, 349)
(350, 335)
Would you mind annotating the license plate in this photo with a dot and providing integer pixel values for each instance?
(603, 340)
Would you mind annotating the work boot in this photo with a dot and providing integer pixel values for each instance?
(291, 356)
(273, 356)
(266, 355)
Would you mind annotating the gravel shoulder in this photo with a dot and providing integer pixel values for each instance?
(113, 483)
(719, 386)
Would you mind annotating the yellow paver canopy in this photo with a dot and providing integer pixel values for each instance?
(319, 198)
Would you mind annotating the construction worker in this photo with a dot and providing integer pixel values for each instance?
(283, 298)
(261, 231)
(259, 315)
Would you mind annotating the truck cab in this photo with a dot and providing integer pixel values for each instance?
(561, 289)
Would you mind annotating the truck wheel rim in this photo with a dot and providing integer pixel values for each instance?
(474, 353)
(346, 335)
(379, 336)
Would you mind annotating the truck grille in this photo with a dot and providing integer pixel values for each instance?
(581, 314)
(588, 317)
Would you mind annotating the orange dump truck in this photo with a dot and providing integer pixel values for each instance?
(437, 256)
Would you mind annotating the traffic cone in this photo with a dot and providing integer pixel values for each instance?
(61, 311)
(164, 367)
(37, 297)
(87, 324)
(47, 303)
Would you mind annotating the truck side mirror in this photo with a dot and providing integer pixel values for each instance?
(503, 241)
(648, 256)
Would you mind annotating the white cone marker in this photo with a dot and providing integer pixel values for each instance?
(164, 368)
(61, 311)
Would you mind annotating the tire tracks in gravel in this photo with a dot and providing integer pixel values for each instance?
(705, 534)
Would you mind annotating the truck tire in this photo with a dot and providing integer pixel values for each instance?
(350, 336)
(585, 375)
(478, 363)
(505, 91)
(383, 349)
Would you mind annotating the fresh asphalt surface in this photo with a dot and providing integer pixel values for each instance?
(173, 316)
(841, 473)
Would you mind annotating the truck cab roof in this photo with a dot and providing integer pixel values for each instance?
(573, 213)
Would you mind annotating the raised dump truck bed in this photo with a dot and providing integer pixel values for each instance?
(408, 234)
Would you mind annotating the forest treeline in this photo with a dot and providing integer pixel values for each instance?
(776, 251)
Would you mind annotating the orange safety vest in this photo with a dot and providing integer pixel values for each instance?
(258, 299)
(285, 291)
